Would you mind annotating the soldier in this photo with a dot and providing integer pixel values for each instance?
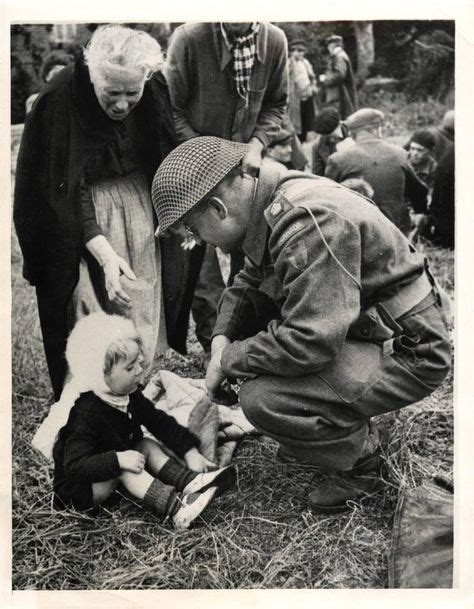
(332, 320)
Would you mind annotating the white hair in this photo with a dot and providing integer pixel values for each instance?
(116, 46)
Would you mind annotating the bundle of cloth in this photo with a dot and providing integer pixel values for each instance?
(218, 427)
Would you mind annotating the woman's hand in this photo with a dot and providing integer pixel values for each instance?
(131, 461)
(113, 266)
(197, 462)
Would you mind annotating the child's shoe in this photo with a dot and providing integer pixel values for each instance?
(192, 505)
(223, 479)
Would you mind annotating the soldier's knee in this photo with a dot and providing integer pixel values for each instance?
(254, 397)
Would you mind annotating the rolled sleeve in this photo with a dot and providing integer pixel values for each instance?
(234, 360)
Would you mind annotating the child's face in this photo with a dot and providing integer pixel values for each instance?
(125, 375)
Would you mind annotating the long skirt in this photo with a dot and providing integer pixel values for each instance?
(124, 213)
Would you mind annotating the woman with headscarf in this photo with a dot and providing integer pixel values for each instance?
(82, 210)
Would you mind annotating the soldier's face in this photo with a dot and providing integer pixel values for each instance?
(222, 219)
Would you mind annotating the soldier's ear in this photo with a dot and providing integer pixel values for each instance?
(219, 206)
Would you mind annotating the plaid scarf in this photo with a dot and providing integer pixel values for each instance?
(243, 49)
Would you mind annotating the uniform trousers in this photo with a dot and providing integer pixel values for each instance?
(324, 418)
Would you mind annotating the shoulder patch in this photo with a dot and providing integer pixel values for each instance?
(297, 254)
(276, 209)
(288, 232)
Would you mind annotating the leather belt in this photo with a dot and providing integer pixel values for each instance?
(407, 297)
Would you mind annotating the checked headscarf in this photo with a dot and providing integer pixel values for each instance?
(243, 49)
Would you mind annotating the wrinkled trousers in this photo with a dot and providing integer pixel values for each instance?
(324, 418)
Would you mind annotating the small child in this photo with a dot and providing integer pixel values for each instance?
(102, 443)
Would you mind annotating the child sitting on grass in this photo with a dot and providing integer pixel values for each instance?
(102, 443)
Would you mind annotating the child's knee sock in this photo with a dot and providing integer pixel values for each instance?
(176, 474)
(161, 498)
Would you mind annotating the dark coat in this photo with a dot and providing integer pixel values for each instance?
(322, 148)
(205, 101)
(387, 169)
(442, 203)
(65, 129)
(444, 142)
(340, 85)
(87, 446)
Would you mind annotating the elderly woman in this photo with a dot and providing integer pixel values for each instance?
(82, 209)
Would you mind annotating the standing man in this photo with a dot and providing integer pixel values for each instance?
(303, 87)
(229, 80)
(333, 319)
(339, 80)
(384, 166)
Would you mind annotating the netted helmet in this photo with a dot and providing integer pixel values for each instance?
(189, 173)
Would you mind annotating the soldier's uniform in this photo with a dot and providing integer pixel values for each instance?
(333, 320)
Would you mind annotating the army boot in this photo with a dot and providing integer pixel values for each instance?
(333, 494)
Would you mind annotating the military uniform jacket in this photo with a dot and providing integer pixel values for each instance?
(313, 273)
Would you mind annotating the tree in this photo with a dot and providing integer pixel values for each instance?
(364, 34)
(29, 45)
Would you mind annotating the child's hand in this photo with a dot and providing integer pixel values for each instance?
(197, 462)
(131, 461)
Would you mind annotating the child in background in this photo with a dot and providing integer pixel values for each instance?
(102, 443)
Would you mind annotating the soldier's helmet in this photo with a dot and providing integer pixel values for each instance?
(189, 173)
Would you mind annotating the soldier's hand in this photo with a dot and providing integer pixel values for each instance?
(214, 374)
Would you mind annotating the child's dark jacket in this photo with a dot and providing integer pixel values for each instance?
(86, 448)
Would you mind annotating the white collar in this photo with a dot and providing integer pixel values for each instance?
(120, 402)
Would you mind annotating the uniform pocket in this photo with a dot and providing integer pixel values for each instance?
(358, 366)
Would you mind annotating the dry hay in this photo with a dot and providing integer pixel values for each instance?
(259, 535)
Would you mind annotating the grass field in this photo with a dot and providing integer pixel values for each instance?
(259, 535)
